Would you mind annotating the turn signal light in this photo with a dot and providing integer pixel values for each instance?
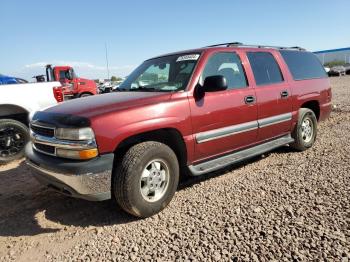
(89, 153)
(77, 154)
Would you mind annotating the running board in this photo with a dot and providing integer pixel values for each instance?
(218, 163)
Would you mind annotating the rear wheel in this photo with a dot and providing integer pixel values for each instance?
(146, 179)
(305, 131)
(13, 137)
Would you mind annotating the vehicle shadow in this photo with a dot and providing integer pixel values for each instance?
(29, 209)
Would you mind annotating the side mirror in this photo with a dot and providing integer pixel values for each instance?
(214, 83)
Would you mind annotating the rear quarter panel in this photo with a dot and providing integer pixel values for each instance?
(313, 90)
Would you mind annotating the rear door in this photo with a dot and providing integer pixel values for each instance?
(224, 121)
(273, 95)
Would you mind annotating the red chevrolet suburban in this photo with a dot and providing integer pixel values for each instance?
(197, 110)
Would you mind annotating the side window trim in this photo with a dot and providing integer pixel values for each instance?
(244, 71)
(201, 79)
(302, 75)
(278, 66)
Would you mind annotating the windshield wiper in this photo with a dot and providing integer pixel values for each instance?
(139, 89)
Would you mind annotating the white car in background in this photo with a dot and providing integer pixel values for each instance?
(347, 68)
(17, 103)
(337, 71)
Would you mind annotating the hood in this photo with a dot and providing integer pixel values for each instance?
(80, 79)
(106, 103)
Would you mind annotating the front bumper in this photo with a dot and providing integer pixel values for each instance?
(90, 180)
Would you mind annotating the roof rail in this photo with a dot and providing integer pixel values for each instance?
(239, 44)
(298, 47)
(226, 44)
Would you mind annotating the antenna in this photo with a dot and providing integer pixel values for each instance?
(107, 61)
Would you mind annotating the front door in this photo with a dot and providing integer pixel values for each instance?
(224, 121)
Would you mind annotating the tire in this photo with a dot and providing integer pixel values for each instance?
(131, 183)
(85, 95)
(305, 131)
(13, 137)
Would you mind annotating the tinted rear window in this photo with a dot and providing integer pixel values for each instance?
(303, 65)
(265, 68)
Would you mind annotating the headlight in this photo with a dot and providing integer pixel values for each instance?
(85, 133)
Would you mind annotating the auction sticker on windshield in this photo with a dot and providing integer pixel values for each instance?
(187, 57)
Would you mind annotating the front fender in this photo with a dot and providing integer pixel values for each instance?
(110, 142)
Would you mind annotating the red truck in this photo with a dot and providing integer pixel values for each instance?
(198, 111)
(73, 86)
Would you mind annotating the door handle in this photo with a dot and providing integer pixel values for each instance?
(249, 99)
(284, 94)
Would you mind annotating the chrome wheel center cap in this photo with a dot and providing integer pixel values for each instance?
(154, 180)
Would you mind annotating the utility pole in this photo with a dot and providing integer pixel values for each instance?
(107, 61)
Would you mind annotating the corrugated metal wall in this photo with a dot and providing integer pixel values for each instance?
(342, 55)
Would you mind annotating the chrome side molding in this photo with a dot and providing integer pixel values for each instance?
(274, 120)
(240, 128)
(226, 131)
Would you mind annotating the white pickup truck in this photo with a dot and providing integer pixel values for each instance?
(17, 103)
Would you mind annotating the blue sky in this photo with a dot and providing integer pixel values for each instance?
(34, 33)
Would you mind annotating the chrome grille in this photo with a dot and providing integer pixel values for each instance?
(43, 130)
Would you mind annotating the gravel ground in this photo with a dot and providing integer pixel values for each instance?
(281, 206)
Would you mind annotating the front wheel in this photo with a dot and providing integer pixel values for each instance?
(305, 131)
(146, 179)
(13, 137)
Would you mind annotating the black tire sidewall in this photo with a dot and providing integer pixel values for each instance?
(23, 129)
(139, 206)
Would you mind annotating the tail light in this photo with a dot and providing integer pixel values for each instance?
(58, 93)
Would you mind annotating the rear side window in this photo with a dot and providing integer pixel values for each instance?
(303, 65)
(265, 68)
(228, 65)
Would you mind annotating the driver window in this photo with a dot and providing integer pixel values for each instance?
(154, 74)
(228, 65)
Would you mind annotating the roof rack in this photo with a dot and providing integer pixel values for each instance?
(226, 44)
(239, 44)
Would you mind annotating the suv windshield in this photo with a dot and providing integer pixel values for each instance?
(168, 73)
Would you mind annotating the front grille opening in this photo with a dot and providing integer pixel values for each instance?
(45, 148)
(43, 131)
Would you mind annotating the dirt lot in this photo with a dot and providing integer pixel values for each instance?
(281, 206)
